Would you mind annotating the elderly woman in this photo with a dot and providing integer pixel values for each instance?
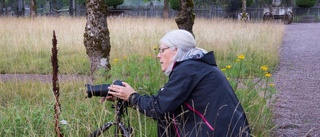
(197, 100)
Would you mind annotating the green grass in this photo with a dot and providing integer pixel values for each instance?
(26, 108)
(30, 112)
(253, 91)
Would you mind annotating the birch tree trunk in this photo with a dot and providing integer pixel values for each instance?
(96, 36)
(186, 15)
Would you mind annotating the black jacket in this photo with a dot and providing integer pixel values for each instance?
(197, 101)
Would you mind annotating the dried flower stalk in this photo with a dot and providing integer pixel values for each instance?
(55, 84)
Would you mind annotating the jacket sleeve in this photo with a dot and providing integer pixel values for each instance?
(170, 97)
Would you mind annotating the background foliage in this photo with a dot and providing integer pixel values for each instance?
(306, 3)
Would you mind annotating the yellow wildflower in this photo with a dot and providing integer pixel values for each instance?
(223, 69)
(271, 85)
(155, 48)
(115, 60)
(241, 56)
(228, 66)
(125, 57)
(264, 68)
(268, 75)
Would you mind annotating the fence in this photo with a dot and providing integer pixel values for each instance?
(213, 11)
(300, 13)
(208, 11)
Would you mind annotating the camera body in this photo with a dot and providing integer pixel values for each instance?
(100, 90)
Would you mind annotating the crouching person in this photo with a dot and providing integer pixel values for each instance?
(197, 100)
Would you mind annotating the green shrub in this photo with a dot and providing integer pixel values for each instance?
(237, 4)
(114, 3)
(306, 3)
(174, 4)
(249, 3)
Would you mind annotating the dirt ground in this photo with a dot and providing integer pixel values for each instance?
(296, 105)
(296, 108)
(39, 77)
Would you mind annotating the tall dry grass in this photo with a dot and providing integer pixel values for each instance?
(26, 42)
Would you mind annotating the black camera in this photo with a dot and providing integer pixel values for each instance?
(100, 90)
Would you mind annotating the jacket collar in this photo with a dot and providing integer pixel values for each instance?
(207, 58)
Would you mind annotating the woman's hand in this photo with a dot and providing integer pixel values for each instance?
(122, 92)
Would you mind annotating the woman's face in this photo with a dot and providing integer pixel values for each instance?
(165, 56)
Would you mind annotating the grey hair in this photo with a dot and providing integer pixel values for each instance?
(185, 44)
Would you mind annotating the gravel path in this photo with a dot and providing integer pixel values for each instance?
(296, 108)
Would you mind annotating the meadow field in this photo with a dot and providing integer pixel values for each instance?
(246, 52)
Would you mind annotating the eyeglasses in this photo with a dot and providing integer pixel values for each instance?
(161, 50)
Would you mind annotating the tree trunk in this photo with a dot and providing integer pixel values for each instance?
(55, 8)
(244, 6)
(71, 7)
(166, 9)
(1, 7)
(186, 15)
(96, 36)
(244, 16)
(20, 8)
(33, 8)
